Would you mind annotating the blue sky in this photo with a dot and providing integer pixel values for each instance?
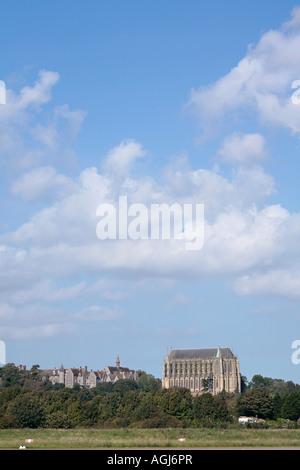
(163, 102)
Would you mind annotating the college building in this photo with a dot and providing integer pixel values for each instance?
(90, 378)
(202, 370)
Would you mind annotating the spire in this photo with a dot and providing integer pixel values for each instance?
(118, 362)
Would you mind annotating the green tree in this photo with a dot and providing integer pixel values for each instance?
(257, 402)
(11, 375)
(34, 378)
(91, 410)
(221, 409)
(76, 388)
(176, 402)
(291, 406)
(259, 381)
(273, 386)
(7, 397)
(124, 385)
(207, 385)
(84, 395)
(291, 387)
(148, 383)
(109, 406)
(203, 407)
(9, 394)
(103, 388)
(129, 404)
(147, 407)
(277, 406)
(29, 411)
(75, 414)
(58, 420)
(244, 384)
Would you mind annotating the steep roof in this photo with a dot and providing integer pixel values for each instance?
(114, 369)
(200, 353)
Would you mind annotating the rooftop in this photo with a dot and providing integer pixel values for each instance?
(200, 353)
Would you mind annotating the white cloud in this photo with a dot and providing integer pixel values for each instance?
(29, 97)
(47, 135)
(73, 118)
(261, 81)
(240, 231)
(98, 313)
(29, 136)
(40, 93)
(279, 282)
(248, 240)
(294, 22)
(243, 236)
(42, 183)
(28, 332)
(45, 290)
(120, 159)
(243, 149)
(253, 186)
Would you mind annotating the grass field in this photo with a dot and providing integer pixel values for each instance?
(148, 438)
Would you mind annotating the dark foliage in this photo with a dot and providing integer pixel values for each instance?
(28, 401)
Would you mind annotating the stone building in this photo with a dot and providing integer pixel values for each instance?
(76, 376)
(202, 370)
(111, 374)
(56, 376)
(90, 379)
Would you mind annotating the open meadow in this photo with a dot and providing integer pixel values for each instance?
(61, 439)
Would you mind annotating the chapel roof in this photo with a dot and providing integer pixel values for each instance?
(207, 353)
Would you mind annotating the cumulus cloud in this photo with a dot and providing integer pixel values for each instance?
(120, 159)
(30, 96)
(277, 282)
(243, 149)
(54, 258)
(29, 136)
(260, 82)
(98, 313)
(241, 232)
(243, 236)
(42, 183)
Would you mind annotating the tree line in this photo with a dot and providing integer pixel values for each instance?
(28, 401)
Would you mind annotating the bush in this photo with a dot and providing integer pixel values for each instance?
(28, 412)
(8, 421)
(151, 423)
(256, 402)
(58, 420)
